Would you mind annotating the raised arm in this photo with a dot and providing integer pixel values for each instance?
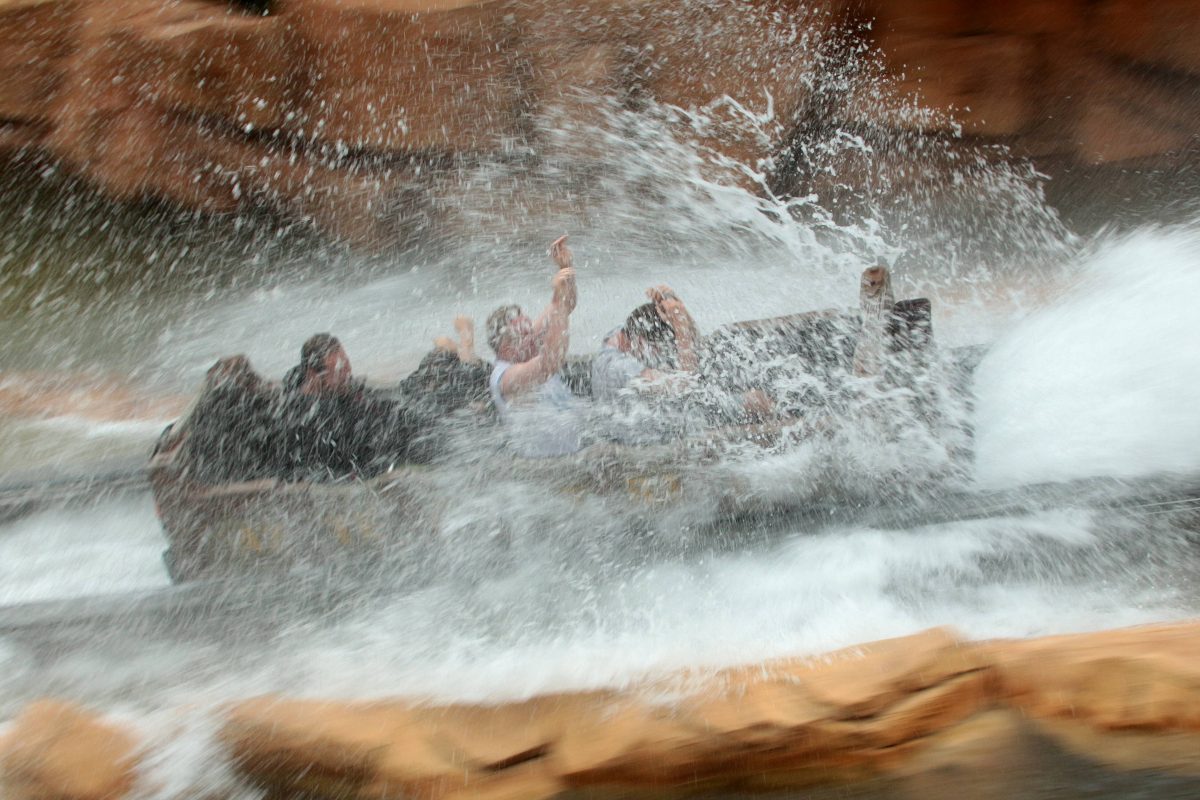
(562, 256)
(675, 313)
(465, 346)
(552, 350)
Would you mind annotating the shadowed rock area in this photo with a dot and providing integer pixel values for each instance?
(927, 715)
(344, 114)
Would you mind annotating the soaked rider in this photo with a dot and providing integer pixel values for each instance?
(229, 434)
(646, 370)
(540, 415)
(657, 340)
(330, 419)
(451, 377)
(876, 302)
(447, 391)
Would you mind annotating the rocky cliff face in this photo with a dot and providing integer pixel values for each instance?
(339, 112)
(925, 716)
(1103, 96)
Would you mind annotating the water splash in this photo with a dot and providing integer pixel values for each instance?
(1102, 381)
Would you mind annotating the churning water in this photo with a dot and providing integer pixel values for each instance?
(1092, 371)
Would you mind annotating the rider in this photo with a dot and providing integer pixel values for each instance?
(876, 302)
(451, 376)
(534, 404)
(645, 373)
(229, 433)
(327, 414)
(657, 340)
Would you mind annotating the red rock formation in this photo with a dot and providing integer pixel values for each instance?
(1089, 82)
(320, 109)
(329, 111)
(921, 713)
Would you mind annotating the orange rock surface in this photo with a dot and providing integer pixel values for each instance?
(922, 716)
(58, 751)
(900, 710)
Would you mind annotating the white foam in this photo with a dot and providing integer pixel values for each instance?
(539, 629)
(1106, 381)
(110, 548)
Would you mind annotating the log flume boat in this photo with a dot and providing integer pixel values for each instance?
(219, 529)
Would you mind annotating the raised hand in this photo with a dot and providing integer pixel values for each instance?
(464, 326)
(561, 254)
(671, 309)
(659, 293)
(563, 283)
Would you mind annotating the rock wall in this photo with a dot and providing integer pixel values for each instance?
(1101, 94)
(924, 716)
(335, 111)
(1092, 82)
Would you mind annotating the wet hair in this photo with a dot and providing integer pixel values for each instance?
(645, 323)
(317, 349)
(652, 339)
(498, 322)
(312, 358)
(233, 370)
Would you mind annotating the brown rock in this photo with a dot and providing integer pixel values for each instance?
(983, 81)
(253, 73)
(1162, 33)
(1032, 17)
(573, 89)
(939, 18)
(628, 744)
(1160, 751)
(58, 751)
(306, 111)
(861, 681)
(919, 711)
(926, 711)
(1139, 679)
(332, 749)
(35, 38)
(1125, 115)
(368, 750)
(385, 78)
(17, 137)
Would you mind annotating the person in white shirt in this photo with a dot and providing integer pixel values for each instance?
(541, 416)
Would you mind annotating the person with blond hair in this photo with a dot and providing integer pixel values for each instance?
(540, 415)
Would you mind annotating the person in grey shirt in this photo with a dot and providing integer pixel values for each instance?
(658, 340)
(649, 358)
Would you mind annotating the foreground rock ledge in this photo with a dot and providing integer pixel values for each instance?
(926, 715)
(59, 751)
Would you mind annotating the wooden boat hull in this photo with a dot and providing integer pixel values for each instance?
(251, 527)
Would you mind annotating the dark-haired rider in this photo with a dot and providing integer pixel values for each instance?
(658, 339)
